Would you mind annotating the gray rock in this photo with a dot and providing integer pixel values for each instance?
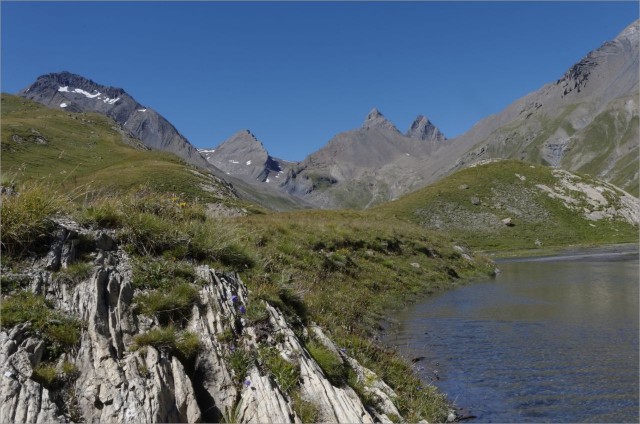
(104, 241)
(475, 200)
(117, 384)
(508, 222)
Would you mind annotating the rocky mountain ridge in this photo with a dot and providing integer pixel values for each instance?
(350, 161)
(586, 121)
(75, 93)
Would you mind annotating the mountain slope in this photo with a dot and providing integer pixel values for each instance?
(509, 205)
(362, 167)
(89, 152)
(586, 121)
(74, 93)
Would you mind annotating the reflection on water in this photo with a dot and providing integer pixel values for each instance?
(544, 341)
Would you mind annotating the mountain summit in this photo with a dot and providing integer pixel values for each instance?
(243, 155)
(375, 119)
(75, 93)
(423, 129)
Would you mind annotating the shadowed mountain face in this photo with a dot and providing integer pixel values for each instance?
(74, 93)
(586, 121)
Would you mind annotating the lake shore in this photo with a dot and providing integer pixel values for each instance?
(549, 253)
(440, 329)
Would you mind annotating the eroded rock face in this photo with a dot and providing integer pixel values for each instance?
(112, 382)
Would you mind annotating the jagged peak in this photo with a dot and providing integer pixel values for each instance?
(245, 134)
(375, 119)
(244, 138)
(373, 114)
(423, 129)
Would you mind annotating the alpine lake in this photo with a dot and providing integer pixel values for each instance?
(549, 339)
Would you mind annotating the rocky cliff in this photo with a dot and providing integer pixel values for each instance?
(98, 357)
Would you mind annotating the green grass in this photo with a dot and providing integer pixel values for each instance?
(25, 219)
(334, 369)
(172, 305)
(286, 374)
(76, 272)
(415, 401)
(536, 216)
(183, 344)
(152, 223)
(333, 266)
(84, 150)
(240, 361)
(307, 411)
(60, 332)
(160, 273)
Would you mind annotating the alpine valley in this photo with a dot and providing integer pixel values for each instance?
(145, 280)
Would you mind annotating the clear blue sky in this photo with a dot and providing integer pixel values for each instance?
(296, 74)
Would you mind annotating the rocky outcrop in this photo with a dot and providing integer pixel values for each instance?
(113, 380)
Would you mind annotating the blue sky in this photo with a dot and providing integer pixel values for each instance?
(297, 73)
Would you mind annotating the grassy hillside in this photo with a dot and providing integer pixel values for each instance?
(471, 204)
(343, 270)
(606, 147)
(89, 153)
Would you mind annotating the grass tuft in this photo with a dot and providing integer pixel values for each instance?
(183, 344)
(25, 218)
(286, 374)
(333, 367)
(169, 306)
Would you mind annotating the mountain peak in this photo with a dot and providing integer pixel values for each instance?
(374, 113)
(246, 135)
(423, 129)
(243, 142)
(61, 81)
(375, 119)
(75, 93)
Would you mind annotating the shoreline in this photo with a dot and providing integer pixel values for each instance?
(606, 252)
(563, 252)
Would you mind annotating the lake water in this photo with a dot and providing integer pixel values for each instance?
(547, 340)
